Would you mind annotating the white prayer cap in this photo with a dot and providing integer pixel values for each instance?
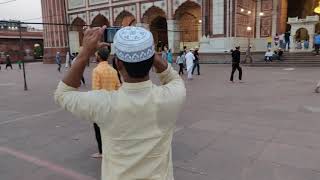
(134, 44)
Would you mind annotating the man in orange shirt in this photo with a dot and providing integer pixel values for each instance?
(104, 77)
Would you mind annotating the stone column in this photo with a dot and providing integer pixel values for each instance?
(258, 21)
(138, 14)
(274, 17)
(55, 37)
(173, 35)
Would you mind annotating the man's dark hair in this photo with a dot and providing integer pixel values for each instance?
(140, 69)
(103, 53)
(237, 48)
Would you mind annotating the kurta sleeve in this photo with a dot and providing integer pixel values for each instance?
(172, 84)
(82, 104)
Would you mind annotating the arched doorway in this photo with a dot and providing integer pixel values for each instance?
(294, 8)
(159, 29)
(302, 34)
(156, 18)
(99, 21)
(76, 34)
(302, 39)
(125, 19)
(188, 16)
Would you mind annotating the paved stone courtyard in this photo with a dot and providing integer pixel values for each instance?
(267, 128)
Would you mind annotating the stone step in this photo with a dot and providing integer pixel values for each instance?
(281, 64)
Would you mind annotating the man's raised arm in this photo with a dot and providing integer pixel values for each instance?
(91, 41)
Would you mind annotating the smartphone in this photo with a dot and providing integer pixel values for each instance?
(109, 34)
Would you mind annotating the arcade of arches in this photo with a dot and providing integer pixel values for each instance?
(183, 29)
(215, 26)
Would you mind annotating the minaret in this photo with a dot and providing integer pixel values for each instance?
(55, 36)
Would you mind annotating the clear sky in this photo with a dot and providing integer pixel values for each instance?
(23, 10)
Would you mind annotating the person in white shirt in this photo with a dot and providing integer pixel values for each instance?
(282, 42)
(189, 62)
(137, 122)
(67, 60)
(268, 56)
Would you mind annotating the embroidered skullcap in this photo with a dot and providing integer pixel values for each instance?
(134, 44)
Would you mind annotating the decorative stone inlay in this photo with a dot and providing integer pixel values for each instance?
(76, 3)
(93, 2)
(146, 6)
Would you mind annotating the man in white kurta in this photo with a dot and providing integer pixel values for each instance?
(189, 62)
(137, 122)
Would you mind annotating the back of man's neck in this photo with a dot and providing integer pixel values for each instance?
(136, 80)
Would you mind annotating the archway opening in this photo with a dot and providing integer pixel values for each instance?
(100, 21)
(76, 32)
(159, 29)
(188, 16)
(294, 8)
(156, 18)
(125, 19)
(302, 34)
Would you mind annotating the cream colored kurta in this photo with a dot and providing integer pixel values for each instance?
(137, 123)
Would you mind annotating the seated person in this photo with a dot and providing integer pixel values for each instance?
(278, 54)
(268, 56)
(298, 45)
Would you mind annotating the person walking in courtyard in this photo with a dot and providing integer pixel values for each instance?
(104, 77)
(189, 63)
(8, 62)
(58, 61)
(68, 64)
(164, 55)
(180, 62)
(137, 122)
(236, 63)
(317, 43)
(169, 56)
(287, 40)
(196, 63)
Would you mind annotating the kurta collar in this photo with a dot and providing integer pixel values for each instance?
(134, 86)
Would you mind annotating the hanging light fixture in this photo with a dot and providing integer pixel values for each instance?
(317, 9)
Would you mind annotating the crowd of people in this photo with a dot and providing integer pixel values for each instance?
(277, 45)
(186, 59)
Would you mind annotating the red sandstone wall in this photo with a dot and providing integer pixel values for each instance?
(11, 46)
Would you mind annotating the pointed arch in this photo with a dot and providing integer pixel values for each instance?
(125, 18)
(156, 18)
(188, 15)
(99, 21)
